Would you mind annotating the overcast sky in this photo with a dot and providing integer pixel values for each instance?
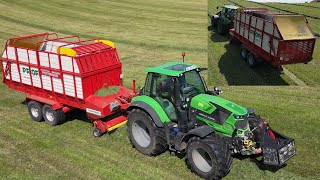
(283, 1)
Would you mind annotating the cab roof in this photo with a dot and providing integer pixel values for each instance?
(172, 68)
(230, 6)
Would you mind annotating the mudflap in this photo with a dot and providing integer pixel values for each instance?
(277, 149)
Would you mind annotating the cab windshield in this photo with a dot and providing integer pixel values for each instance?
(191, 84)
(230, 12)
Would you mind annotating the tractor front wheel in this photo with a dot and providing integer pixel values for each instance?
(213, 22)
(210, 158)
(53, 117)
(144, 135)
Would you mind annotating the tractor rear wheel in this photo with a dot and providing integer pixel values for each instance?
(144, 135)
(219, 27)
(210, 157)
(53, 117)
(222, 28)
(35, 111)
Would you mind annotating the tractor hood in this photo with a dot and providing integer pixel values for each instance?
(209, 103)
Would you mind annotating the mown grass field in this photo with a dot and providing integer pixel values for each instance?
(223, 56)
(31, 150)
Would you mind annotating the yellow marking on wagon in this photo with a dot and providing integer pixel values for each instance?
(106, 42)
(117, 125)
(67, 51)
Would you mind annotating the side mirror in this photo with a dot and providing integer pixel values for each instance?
(216, 90)
(141, 90)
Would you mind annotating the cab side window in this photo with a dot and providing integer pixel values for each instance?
(147, 85)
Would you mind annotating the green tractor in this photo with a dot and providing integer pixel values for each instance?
(176, 111)
(223, 21)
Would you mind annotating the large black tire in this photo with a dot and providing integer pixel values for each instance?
(97, 133)
(219, 27)
(53, 117)
(213, 22)
(209, 158)
(35, 111)
(243, 52)
(251, 59)
(222, 28)
(144, 135)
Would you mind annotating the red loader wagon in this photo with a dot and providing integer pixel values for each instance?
(277, 38)
(61, 74)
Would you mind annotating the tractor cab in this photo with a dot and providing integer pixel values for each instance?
(173, 84)
(228, 11)
(223, 20)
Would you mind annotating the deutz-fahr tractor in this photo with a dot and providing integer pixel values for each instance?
(176, 111)
(223, 21)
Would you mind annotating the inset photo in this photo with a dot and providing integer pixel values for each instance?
(254, 43)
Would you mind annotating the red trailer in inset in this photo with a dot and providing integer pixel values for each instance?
(60, 74)
(277, 38)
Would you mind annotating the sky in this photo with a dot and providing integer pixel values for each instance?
(283, 1)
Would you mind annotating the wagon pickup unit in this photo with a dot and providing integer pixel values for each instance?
(60, 74)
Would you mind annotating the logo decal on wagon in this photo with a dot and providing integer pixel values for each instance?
(50, 73)
(27, 71)
(92, 111)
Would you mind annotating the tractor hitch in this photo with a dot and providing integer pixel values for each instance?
(276, 148)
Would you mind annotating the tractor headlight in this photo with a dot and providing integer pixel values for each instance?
(238, 117)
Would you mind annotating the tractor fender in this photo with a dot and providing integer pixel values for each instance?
(201, 132)
(151, 107)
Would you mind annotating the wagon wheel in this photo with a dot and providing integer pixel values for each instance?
(243, 52)
(35, 111)
(251, 59)
(53, 117)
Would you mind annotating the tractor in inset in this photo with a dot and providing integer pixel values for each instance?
(223, 20)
